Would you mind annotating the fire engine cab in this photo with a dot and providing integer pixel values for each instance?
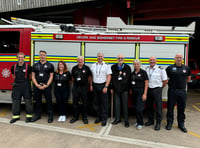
(67, 41)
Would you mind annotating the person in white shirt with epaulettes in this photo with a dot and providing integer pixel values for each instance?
(101, 75)
(157, 80)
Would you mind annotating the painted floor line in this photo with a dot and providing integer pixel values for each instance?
(4, 112)
(108, 130)
(194, 106)
(94, 135)
(189, 132)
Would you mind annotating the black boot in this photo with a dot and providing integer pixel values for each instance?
(35, 118)
(148, 123)
(157, 127)
(182, 128)
(169, 126)
(14, 120)
(28, 120)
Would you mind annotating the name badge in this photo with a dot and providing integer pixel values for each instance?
(133, 82)
(59, 84)
(78, 79)
(41, 74)
(119, 78)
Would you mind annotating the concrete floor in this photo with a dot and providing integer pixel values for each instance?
(63, 135)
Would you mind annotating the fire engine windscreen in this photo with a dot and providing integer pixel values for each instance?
(9, 41)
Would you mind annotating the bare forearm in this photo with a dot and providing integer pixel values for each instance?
(108, 80)
(188, 78)
(146, 86)
(50, 79)
(34, 80)
(165, 83)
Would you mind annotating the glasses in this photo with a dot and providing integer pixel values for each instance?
(120, 58)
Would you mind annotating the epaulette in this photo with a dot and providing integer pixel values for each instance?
(160, 67)
(147, 67)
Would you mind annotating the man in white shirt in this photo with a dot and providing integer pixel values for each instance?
(157, 80)
(101, 73)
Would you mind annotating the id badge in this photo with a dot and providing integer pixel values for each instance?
(133, 82)
(78, 79)
(41, 74)
(59, 84)
(119, 78)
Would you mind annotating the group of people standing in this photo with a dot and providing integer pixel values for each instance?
(145, 86)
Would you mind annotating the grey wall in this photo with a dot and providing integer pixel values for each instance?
(13, 5)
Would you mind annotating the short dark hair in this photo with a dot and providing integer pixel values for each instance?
(20, 53)
(43, 51)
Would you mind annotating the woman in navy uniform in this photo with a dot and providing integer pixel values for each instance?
(139, 87)
(62, 78)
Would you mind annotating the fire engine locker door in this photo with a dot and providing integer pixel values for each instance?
(59, 51)
(110, 51)
(164, 53)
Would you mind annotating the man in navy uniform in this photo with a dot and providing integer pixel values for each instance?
(21, 73)
(121, 73)
(81, 75)
(179, 75)
(42, 77)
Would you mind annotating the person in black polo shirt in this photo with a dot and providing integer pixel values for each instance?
(42, 77)
(179, 75)
(81, 75)
(139, 87)
(62, 78)
(21, 73)
(120, 84)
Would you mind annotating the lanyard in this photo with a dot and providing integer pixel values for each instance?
(120, 67)
(98, 72)
(150, 74)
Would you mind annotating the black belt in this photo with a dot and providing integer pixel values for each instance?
(178, 88)
(99, 83)
(154, 88)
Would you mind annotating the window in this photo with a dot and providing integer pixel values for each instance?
(9, 41)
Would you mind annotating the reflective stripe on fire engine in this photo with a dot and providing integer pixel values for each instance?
(56, 58)
(42, 36)
(15, 116)
(137, 50)
(73, 59)
(12, 58)
(177, 39)
(110, 60)
(160, 61)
